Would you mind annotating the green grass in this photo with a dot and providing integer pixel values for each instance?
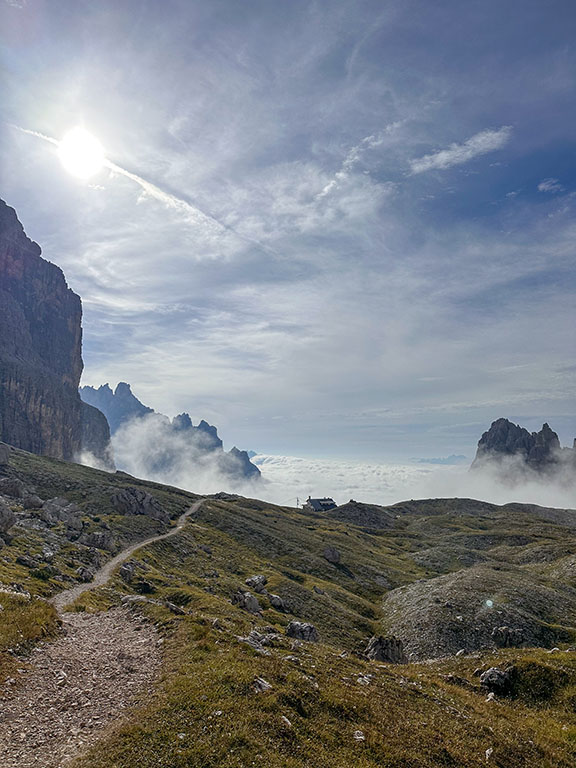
(205, 712)
(22, 623)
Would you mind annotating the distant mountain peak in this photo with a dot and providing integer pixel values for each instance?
(540, 451)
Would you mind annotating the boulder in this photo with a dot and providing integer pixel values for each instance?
(506, 637)
(126, 572)
(260, 640)
(497, 681)
(332, 555)
(32, 502)
(302, 631)
(277, 602)
(135, 501)
(85, 574)
(247, 601)
(7, 517)
(257, 583)
(11, 486)
(59, 510)
(387, 649)
(27, 561)
(99, 540)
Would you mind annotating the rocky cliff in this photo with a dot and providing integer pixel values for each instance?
(538, 451)
(119, 405)
(157, 447)
(40, 350)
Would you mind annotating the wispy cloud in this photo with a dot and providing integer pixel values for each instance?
(191, 213)
(550, 185)
(456, 154)
(355, 155)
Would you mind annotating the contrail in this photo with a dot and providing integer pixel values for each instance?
(192, 212)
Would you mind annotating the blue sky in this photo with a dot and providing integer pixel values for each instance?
(349, 229)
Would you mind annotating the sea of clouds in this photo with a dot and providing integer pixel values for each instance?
(284, 478)
(147, 449)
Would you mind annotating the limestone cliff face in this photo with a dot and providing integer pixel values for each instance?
(40, 348)
(164, 445)
(538, 451)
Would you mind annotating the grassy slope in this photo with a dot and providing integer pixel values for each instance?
(206, 712)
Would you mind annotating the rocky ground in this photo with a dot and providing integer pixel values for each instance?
(68, 691)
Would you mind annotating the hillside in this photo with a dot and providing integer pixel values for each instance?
(234, 688)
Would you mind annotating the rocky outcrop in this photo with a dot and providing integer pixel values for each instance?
(300, 630)
(40, 348)
(332, 555)
(538, 451)
(247, 601)
(166, 445)
(387, 649)
(7, 518)
(96, 437)
(135, 501)
(119, 406)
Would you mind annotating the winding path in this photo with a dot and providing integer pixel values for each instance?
(69, 689)
(62, 599)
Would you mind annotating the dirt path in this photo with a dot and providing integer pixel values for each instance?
(62, 599)
(69, 689)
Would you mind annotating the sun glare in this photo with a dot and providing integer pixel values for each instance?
(80, 153)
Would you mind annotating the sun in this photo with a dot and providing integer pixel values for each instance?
(81, 154)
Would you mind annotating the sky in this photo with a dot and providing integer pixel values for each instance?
(334, 229)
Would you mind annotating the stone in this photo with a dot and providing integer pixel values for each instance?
(257, 583)
(332, 555)
(388, 649)
(47, 554)
(144, 587)
(302, 631)
(32, 502)
(99, 540)
(260, 685)
(506, 637)
(247, 601)
(7, 518)
(496, 681)
(85, 574)
(277, 602)
(318, 590)
(135, 501)
(27, 561)
(176, 609)
(126, 572)
(11, 486)
(259, 640)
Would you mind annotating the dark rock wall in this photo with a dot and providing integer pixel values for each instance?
(540, 451)
(40, 348)
(96, 436)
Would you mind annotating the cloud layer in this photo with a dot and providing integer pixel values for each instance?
(278, 244)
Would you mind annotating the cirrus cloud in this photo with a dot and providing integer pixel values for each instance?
(456, 154)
